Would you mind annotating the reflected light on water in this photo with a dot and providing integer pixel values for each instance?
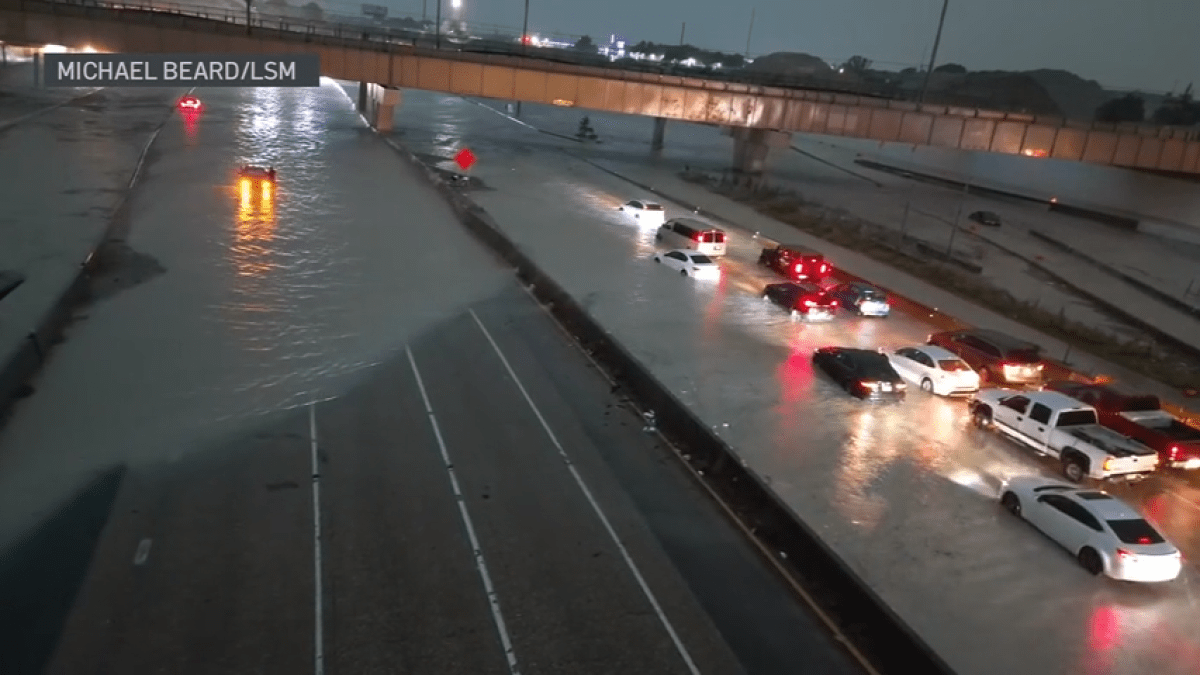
(869, 450)
(254, 230)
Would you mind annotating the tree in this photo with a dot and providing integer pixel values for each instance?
(856, 64)
(313, 12)
(1179, 110)
(1128, 108)
(585, 44)
(951, 68)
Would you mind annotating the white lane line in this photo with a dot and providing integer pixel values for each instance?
(318, 591)
(767, 554)
(143, 552)
(480, 563)
(666, 622)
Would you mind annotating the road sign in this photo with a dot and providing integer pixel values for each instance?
(465, 158)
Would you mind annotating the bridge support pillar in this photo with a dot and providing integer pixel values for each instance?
(751, 146)
(378, 104)
(660, 130)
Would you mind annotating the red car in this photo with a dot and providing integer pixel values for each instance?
(792, 261)
(190, 104)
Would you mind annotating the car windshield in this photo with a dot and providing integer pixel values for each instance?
(953, 365)
(701, 259)
(1076, 418)
(1136, 531)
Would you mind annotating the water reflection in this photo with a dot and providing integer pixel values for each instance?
(191, 126)
(868, 451)
(254, 229)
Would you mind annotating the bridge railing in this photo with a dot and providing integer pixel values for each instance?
(364, 30)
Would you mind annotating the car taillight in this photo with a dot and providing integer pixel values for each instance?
(809, 303)
(833, 303)
(1122, 553)
(721, 238)
(799, 267)
(1173, 453)
(1144, 540)
(1108, 463)
(824, 267)
(697, 237)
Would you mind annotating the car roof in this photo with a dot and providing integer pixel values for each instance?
(692, 222)
(798, 248)
(936, 353)
(1002, 340)
(1104, 505)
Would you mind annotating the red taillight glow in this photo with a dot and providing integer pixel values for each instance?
(799, 267)
(1144, 540)
(720, 237)
(1174, 452)
(809, 303)
(1122, 553)
(833, 303)
(824, 267)
(697, 237)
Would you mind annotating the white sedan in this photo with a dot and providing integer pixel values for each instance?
(690, 263)
(646, 213)
(1104, 534)
(934, 369)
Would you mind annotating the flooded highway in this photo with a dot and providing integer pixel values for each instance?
(905, 493)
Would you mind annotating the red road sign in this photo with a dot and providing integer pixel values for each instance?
(465, 158)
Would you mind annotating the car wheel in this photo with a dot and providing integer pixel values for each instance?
(982, 418)
(927, 386)
(1073, 470)
(1011, 504)
(1091, 561)
(683, 273)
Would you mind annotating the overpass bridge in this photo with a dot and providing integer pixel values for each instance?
(758, 117)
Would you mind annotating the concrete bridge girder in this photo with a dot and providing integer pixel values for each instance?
(692, 99)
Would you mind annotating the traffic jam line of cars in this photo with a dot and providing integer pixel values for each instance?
(1093, 431)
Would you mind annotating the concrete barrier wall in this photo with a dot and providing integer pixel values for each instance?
(1154, 200)
(32, 355)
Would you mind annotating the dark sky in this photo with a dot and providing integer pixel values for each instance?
(1130, 44)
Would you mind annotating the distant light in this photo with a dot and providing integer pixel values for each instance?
(456, 4)
(54, 49)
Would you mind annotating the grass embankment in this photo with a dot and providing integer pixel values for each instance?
(790, 208)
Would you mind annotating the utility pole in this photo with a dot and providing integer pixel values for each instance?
(424, 8)
(750, 32)
(438, 34)
(248, 3)
(933, 55)
(682, 30)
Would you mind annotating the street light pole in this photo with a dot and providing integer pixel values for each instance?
(438, 28)
(525, 29)
(750, 32)
(933, 56)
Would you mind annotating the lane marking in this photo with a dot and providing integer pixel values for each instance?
(480, 564)
(318, 590)
(612, 533)
(143, 552)
(767, 554)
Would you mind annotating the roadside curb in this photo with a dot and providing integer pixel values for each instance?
(808, 561)
(34, 353)
(8, 124)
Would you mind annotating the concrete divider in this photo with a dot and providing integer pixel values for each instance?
(34, 352)
(867, 621)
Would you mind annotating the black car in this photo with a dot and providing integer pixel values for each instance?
(985, 218)
(862, 372)
(862, 298)
(807, 301)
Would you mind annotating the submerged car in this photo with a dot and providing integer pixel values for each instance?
(863, 373)
(936, 370)
(690, 264)
(190, 104)
(250, 172)
(862, 298)
(646, 213)
(803, 301)
(1105, 534)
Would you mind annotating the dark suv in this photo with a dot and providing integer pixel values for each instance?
(998, 358)
(795, 262)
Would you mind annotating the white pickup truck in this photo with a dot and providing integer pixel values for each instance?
(1057, 425)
